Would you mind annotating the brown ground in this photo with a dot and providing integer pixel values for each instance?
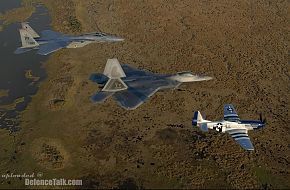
(243, 44)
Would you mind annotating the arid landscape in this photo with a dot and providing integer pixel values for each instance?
(243, 44)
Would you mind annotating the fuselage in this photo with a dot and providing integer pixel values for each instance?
(223, 126)
(165, 81)
(81, 40)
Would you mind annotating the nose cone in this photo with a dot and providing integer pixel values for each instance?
(188, 77)
(260, 126)
(201, 78)
(116, 39)
(206, 78)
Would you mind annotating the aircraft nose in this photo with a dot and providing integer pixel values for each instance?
(261, 125)
(117, 39)
(207, 78)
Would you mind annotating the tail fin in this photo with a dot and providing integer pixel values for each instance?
(26, 27)
(114, 71)
(27, 40)
(198, 121)
(197, 118)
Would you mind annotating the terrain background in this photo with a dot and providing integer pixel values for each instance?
(244, 45)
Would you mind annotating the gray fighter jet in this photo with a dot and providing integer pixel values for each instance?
(50, 41)
(131, 87)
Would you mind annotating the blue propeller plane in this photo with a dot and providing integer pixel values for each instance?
(231, 124)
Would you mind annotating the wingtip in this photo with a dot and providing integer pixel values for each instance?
(250, 149)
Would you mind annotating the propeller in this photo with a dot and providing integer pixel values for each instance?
(261, 119)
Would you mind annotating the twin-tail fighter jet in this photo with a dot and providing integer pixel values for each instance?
(131, 87)
(231, 124)
(49, 41)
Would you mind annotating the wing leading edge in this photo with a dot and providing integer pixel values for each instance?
(242, 138)
(131, 71)
(50, 35)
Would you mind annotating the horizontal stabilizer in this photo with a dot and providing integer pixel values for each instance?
(101, 96)
(99, 78)
(22, 50)
(203, 127)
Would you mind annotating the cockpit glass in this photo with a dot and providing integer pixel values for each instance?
(99, 34)
(188, 74)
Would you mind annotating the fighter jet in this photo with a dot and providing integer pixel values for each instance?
(50, 41)
(231, 124)
(131, 87)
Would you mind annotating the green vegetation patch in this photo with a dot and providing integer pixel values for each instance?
(269, 180)
(17, 15)
(29, 75)
(20, 14)
(74, 24)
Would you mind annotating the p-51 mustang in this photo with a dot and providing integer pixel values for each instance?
(231, 124)
(49, 41)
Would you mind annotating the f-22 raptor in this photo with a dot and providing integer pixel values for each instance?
(231, 124)
(50, 41)
(131, 87)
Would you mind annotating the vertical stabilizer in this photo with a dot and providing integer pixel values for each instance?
(197, 118)
(114, 71)
(198, 121)
(27, 40)
(26, 27)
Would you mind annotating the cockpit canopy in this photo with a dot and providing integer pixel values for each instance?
(98, 34)
(185, 74)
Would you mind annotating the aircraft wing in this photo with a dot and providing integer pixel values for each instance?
(50, 47)
(101, 96)
(141, 90)
(242, 138)
(50, 35)
(131, 71)
(230, 113)
(132, 98)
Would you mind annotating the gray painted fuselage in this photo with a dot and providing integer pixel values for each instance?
(79, 41)
(139, 85)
